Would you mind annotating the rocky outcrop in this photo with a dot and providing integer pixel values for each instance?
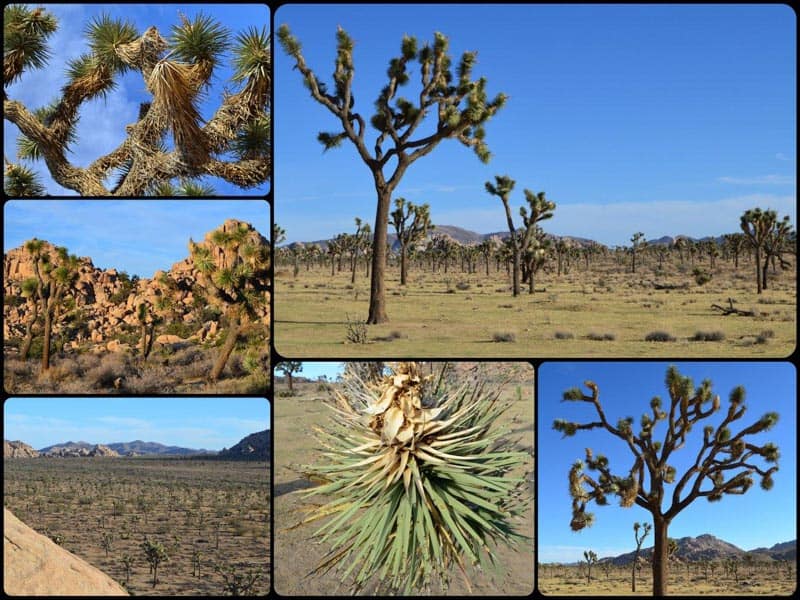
(78, 449)
(255, 446)
(18, 449)
(34, 566)
(108, 301)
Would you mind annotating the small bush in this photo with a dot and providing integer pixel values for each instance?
(504, 337)
(701, 277)
(356, 331)
(708, 336)
(463, 285)
(659, 336)
(767, 333)
(601, 337)
(564, 335)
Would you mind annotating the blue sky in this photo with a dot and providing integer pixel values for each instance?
(137, 236)
(312, 370)
(102, 124)
(757, 518)
(630, 117)
(209, 423)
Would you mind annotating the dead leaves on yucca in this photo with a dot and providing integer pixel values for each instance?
(175, 87)
(419, 479)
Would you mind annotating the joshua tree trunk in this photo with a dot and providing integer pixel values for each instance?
(660, 555)
(26, 344)
(230, 342)
(759, 280)
(377, 296)
(403, 264)
(48, 330)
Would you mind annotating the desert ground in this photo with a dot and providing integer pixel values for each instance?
(296, 553)
(692, 579)
(219, 509)
(604, 311)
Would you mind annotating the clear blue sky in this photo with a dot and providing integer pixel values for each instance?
(757, 518)
(102, 124)
(630, 117)
(209, 423)
(137, 236)
(312, 370)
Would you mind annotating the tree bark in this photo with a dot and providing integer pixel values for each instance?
(660, 555)
(48, 330)
(26, 344)
(227, 349)
(759, 285)
(377, 292)
(403, 264)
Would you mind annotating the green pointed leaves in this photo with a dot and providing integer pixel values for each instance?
(199, 40)
(106, 35)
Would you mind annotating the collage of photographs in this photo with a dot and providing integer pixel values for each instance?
(399, 299)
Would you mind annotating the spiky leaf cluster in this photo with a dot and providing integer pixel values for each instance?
(420, 479)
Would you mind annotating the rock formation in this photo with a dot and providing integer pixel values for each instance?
(34, 566)
(107, 301)
(255, 446)
(18, 449)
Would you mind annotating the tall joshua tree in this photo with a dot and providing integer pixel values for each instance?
(591, 558)
(533, 242)
(289, 368)
(412, 223)
(502, 188)
(637, 243)
(725, 463)
(240, 285)
(55, 276)
(233, 144)
(769, 238)
(459, 103)
(640, 531)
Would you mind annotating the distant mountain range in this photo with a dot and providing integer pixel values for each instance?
(709, 547)
(465, 236)
(256, 446)
(135, 448)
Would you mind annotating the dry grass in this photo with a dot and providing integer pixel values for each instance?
(310, 313)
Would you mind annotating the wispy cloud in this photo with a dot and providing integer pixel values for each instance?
(782, 156)
(759, 180)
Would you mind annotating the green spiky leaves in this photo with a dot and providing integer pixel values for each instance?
(420, 480)
(201, 39)
(21, 182)
(106, 35)
(253, 140)
(25, 34)
(252, 56)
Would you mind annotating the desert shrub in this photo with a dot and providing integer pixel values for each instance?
(209, 313)
(505, 336)
(102, 376)
(564, 335)
(701, 277)
(463, 285)
(767, 333)
(154, 379)
(708, 336)
(284, 393)
(659, 336)
(185, 356)
(505, 306)
(601, 337)
(356, 331)
(13, 300)
(235, 366)
(182, 329)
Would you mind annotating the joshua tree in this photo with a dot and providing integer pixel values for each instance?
(460, 104)
(289, 368)
(54, 278)
(768, 237)
(237, 582)
(127, 563)
(534, 244)
(107, 541)
(502, 188)
(357, 243)
(196, 556)
(155, 554)
(147, 329)
(725, 463)
(412, 223)
(590, 558)
(419, 455)
(233, 144)
(637, 242)
(639, 537)
(240, 285)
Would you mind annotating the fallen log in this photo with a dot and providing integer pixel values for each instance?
(730, 310)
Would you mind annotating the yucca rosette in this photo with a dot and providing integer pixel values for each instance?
(419, 479)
